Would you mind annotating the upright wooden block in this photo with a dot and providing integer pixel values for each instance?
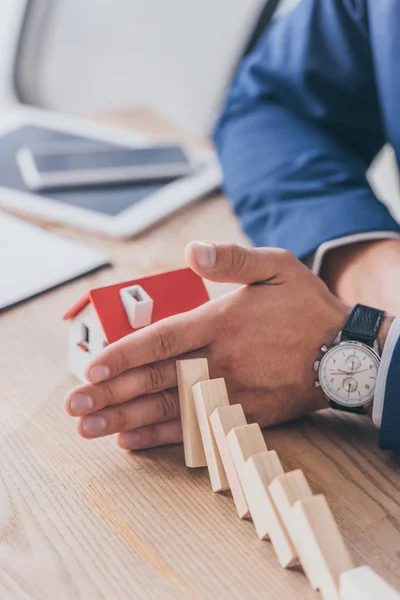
(321, 545)
(285, 490)
(257, 473)
(364, 584)
(243, 442)
(190, 372)
(222, 421)
(209, 395)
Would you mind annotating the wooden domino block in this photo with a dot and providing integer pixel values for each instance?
(209, 395)
(363, 583)
(190, 372)
(222, 420)
(285, 490)
(243, 442)
(321, 546)
(257, 473)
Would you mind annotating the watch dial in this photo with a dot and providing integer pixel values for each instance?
(348, 372)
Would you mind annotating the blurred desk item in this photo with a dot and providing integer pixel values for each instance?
(118, 209)
(33, 260)
(83, 520)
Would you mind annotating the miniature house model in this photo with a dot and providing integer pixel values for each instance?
(105, 315)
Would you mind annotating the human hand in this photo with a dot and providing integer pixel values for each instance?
(366, 273)
(263, 339)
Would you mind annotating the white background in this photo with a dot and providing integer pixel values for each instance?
(175, 56)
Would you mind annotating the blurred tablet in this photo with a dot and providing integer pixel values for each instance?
(117, 209)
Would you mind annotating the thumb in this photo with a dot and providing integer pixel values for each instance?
(235, 264)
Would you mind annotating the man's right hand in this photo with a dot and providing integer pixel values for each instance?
(263, 339)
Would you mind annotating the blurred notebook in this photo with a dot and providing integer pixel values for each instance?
(33, 260)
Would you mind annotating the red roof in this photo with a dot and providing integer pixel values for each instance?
(173, 293)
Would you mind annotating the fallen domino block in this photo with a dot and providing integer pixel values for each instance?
(188, 373)
(243, 442)
(320, 544)
(256, 468)
(258, 472)
(363, 583)
(285, 490)
(222, 420)
(209, 395)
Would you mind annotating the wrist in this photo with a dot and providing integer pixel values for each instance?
(365, 272)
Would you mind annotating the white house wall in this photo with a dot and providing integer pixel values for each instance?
(78, 358)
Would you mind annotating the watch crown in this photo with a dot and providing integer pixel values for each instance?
(317, 384)
(324, 349)
(316, 365)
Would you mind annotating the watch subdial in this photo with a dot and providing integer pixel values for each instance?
(353, 362)
(350, 384)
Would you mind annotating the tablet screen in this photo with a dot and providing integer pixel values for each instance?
(109, 200)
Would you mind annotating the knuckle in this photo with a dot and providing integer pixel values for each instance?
(119, 420)
(153, 378)
(164, 344)
(153, 437)
(122, 362)
(167, 405)
(108, 395)
(236, 259)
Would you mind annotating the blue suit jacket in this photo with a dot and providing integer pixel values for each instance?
(308, 111)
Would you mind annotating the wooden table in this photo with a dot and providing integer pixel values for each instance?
(83, 520)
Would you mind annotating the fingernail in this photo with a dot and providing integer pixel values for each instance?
(93, 425)
(130, 440)
(80, 404)
(99, 373)
(206, 254)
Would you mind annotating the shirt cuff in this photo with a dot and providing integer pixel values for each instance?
(380, 388)
(315, 261)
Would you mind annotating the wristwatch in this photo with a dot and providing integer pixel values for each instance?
(348, 368)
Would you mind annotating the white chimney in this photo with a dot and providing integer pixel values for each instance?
(138, 306)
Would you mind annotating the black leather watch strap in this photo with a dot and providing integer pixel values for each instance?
(363, 325)
(361, 410)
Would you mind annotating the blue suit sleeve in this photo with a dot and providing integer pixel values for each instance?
(300, 128)
(389, 437)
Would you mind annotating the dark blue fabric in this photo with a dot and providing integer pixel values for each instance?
(389, 437)
(308, 111)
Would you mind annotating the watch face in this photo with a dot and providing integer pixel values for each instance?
(348, 372)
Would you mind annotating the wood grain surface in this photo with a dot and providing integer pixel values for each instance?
(83, 520)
